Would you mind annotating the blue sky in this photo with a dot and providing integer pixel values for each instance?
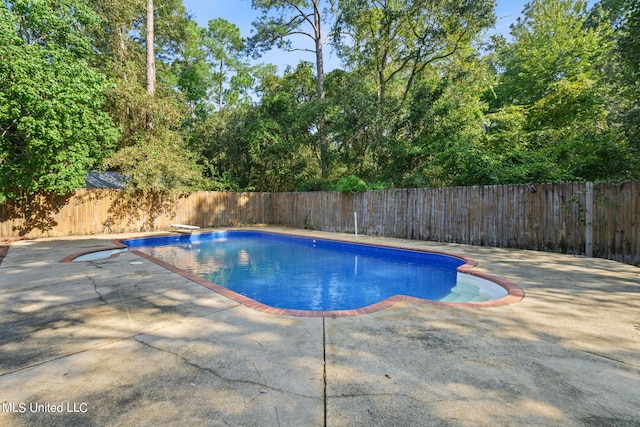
(241, 14)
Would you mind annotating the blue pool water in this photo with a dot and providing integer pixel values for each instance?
(312, 274)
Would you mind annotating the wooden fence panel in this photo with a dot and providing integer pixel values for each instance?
(616, 228)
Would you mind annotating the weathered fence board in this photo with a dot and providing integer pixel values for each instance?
(540, 217)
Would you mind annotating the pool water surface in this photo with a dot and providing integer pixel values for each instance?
(299, 273)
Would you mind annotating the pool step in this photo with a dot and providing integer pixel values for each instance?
(466, 293)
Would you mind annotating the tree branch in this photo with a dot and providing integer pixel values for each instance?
(300, 50)
(306, 17)
(302, 33)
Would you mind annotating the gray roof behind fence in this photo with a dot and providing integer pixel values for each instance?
(105, 180)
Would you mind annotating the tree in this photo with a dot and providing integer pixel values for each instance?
(223, 46)
(351, 114)
(194, 75)
(152, 151)
(293, 17)
(279, 143)
(268, 146)
(123, 56)
(395, 41)
(569, 51)
(52, 127)
(624, 16)
(407, 95)
(553, 73)
(443, 134)
(162, 165)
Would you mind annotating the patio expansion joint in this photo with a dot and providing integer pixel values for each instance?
(217, 374)
(324, 370)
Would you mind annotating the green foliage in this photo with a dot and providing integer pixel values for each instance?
(293, 18)
(446, 126)
(627, 39)
(266, 147)
(223, 48)
(350, 184)
(395, 42)
(552, 43)
(218, 141)
(554, 82)
(193, 74)
(160, 165)
(63, 24)
(155, 159)
(51, 123)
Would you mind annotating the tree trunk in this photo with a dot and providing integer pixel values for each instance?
(318, 42)
(220, 86)
(324, 143)
(151, 61)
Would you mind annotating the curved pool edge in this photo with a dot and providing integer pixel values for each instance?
(118, 245)
(514, 292)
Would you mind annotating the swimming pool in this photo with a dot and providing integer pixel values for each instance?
(306, 274)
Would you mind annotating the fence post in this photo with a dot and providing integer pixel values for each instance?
(588, 219)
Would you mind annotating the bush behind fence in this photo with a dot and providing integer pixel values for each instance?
(552, 217)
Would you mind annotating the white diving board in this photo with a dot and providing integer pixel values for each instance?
(182, 228)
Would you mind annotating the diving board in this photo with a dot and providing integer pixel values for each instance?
(182, 228)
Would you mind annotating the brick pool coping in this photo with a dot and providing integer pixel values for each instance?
(514, 292)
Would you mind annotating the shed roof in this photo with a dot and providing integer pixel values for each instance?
(105, 180)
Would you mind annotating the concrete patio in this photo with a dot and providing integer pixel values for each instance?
(111, 343)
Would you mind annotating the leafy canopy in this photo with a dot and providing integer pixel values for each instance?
(52, 128)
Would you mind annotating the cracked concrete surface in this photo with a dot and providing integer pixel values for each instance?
(140, 345)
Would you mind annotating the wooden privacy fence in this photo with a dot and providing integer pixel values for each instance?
(552, 217)
(602, 219)
(92, 211)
